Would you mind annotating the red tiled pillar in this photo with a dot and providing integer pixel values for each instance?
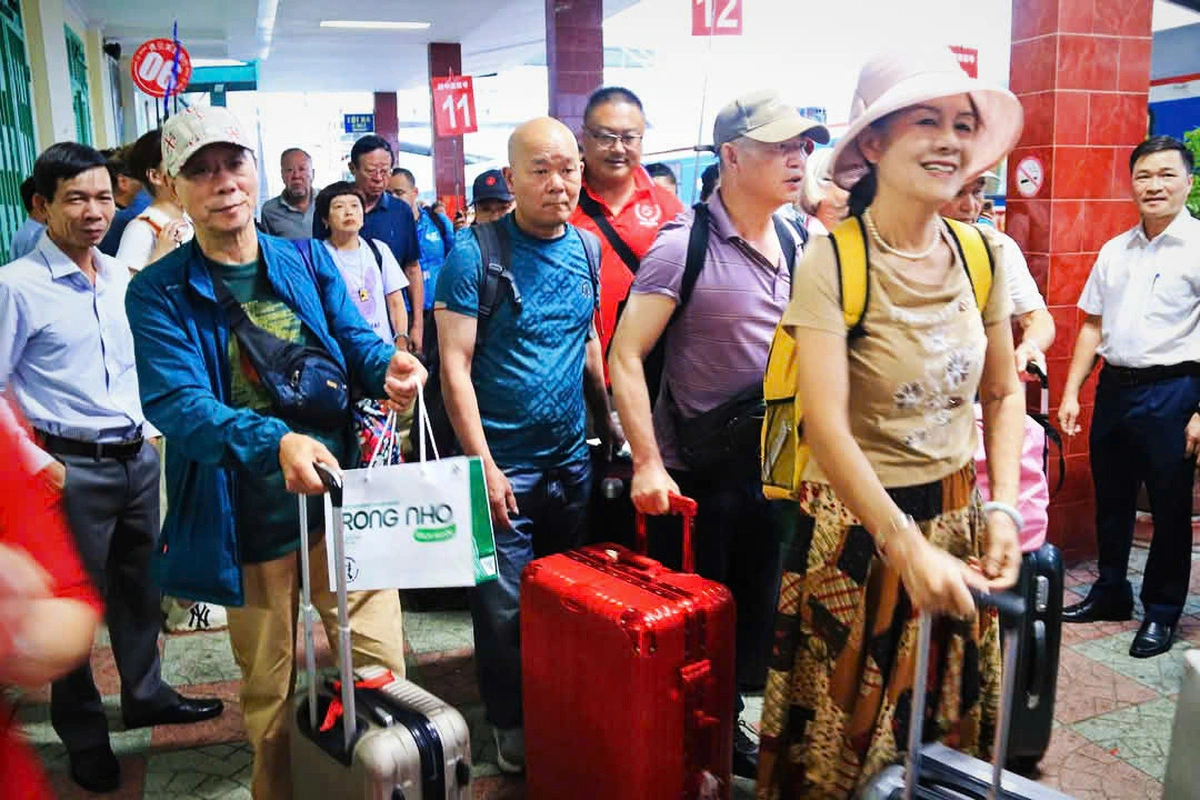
(1082, 71)
(387, 119)
(445, 58)
(574, 56)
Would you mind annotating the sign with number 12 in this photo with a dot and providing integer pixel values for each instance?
(454, 105)
(716, 17)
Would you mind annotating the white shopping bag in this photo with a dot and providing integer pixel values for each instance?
(421, 525)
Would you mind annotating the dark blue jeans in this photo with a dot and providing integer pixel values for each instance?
(552, 518)
(1138, 436)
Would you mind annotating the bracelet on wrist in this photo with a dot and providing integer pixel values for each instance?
(400, 336)
(884, 538)
(1009, 511)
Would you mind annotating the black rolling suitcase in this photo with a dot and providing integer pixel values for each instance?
(934, 771)
(1041, 584)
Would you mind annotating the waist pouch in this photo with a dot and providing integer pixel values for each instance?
(731, 432)
(306, 385)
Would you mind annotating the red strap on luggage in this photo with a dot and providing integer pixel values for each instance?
(334, 712)
(684, 507)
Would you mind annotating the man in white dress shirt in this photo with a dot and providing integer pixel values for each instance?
(1142, 307)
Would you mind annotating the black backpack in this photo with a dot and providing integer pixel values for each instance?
(697, 250)
(496, 283)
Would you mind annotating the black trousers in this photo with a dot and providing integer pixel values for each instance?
(112, 509)
(1138, 436)
(737, 542)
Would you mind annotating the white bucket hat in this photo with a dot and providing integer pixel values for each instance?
(900, 79)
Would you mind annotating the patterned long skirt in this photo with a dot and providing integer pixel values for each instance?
(839, 690)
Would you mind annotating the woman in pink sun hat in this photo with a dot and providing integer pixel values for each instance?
(890, 520)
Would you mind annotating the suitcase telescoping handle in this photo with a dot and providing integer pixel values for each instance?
(684, 507)
(333, 485)
(1012, 611)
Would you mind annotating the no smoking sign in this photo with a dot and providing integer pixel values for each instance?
(1030, 176)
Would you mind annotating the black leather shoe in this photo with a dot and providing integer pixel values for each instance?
(96, 769)
(1153, 639)
(745, 754)
(1100, 607)
(184, 711)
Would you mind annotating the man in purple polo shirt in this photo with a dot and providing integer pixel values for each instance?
(716, 348)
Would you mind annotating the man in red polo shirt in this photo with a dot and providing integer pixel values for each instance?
(48, 608)
(619, 202)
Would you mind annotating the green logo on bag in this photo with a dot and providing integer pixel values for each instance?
(432, 523)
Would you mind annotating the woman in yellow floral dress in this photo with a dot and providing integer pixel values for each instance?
(890, 522)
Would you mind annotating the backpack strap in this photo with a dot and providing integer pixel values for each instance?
(154, 226)
(787, 242)
(850, 250)
(375, 252)
(495, 251)
(977, 259)
(591, 251)
(592, 208)
(693, 263)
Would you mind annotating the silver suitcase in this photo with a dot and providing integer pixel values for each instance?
(406, 743)
(934, 771)
(1183, 763)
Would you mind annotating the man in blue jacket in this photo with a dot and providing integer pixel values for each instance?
(231, 534)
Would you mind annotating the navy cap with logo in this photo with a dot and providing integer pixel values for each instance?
(491, 185)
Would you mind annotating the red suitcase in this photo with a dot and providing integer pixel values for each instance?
(628, 676)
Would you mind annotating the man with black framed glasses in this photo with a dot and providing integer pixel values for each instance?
(618, 202)
(389, 220)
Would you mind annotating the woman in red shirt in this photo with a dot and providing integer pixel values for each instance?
(48, 608)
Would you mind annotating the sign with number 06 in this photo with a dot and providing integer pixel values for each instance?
(154, 62)
(454, 105)
(716, 17)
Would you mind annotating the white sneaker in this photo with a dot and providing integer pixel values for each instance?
(510, 750)
(185, 616)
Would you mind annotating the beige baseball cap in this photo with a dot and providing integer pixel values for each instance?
(197, 127)
(764, 117)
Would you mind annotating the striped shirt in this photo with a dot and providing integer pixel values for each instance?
(718, 346)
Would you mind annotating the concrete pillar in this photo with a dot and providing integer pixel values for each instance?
(1082, 72)
(101, 91)
(54, 116)
(387, 120)
(449, 178)
(574, 56)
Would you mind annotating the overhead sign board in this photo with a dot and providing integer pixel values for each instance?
(717, 17)
(358, 123)
(154, 69)
(968, 59)
(454, 105)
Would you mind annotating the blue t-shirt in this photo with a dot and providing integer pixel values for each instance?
(433, 249)
(528, 365)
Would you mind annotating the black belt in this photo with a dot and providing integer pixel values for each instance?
(1144, 376)
(61, 446)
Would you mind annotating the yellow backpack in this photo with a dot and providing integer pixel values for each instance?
(784, 452)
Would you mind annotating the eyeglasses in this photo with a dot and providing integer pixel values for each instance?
(382, 172)
(609, 140)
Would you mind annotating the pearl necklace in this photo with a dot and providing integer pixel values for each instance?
(887, 248)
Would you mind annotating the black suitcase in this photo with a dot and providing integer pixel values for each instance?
(611, 517)
(1041, 584)
(934, 771)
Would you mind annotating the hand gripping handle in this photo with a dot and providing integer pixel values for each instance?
(684, 507)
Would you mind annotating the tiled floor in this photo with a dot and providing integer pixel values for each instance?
(1113, 713)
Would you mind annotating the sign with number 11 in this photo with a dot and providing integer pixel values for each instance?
(454, 105)
(716, 17)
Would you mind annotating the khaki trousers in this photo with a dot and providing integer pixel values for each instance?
(263, 636)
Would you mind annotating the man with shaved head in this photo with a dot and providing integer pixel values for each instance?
(514, 378)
